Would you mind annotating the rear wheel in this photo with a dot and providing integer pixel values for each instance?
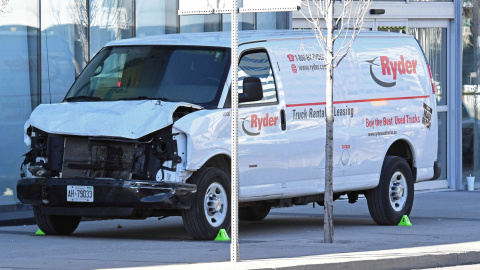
(254, 213)
(55, 225)
(393, 197)
(210, 210)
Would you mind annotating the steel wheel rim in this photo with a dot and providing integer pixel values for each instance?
(398, 191)
(216, 204)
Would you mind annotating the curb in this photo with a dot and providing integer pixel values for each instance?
(393, 259)
(417, 262)
(17, 222)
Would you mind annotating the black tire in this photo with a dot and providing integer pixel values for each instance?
(254, 213)
(210, 210)
(55, 225)
(388, 202)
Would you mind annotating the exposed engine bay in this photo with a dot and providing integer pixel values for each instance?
(152, 157)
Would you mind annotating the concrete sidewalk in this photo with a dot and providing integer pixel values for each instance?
(445, 231)
(406, 258)
(440, 209)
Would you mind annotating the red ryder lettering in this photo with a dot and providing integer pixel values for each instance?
(258, 122)
(398, 67)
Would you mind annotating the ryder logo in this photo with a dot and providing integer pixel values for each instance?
(392, 69)
(257, 123)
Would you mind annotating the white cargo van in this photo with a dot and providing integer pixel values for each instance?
(145, 131)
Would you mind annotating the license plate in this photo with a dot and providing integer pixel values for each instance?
(79, 194)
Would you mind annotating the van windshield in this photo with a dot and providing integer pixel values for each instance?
(181, 73)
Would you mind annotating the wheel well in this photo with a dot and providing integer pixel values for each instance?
(221, 162)
(402, 149)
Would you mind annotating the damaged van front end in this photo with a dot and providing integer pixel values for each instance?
(111, 149)
(125, 175)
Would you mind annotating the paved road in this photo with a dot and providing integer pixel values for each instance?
(443, 222)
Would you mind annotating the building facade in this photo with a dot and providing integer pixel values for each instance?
(46, 43)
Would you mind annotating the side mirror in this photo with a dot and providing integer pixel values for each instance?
(252, 90)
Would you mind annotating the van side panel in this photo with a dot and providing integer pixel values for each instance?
(303, 83)
(396, 73)
(381, 94)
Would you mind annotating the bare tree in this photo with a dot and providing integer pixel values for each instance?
(3, 6)
(342, 27)
(109, 14)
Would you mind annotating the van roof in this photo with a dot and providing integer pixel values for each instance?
(222, 39)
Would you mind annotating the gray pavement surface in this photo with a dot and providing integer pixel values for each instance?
(445, 232)
(17, 214)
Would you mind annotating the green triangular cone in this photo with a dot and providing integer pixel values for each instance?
(405, 221)
(222, 236)
(39, 232)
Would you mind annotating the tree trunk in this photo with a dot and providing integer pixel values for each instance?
(328, 200)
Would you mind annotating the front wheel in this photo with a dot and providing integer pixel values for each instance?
(393, 197)
(55, 225)
(210, 210)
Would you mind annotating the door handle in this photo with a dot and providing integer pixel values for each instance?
(283, 119)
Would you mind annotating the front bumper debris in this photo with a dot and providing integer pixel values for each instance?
(110, 196)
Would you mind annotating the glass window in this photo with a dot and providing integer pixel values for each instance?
(258, 65)
(150, 18)
(109, 20)
(64, 46)
(434, 44)
(283, 20)
(191, 23)
(226, 22)
(279, 20)
(247, 21)
(156, 17)
(212, 23)
(272, 21)
(19, 88)
(194, 75)
(470, 90)
(266, 21)
(200, 23)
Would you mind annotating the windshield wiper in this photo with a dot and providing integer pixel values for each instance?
(83, 98)
(144, 98)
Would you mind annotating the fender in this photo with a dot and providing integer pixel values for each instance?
(196, 166)
(208, 134)
(409, 142)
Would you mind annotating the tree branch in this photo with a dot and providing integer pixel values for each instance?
(3, 7)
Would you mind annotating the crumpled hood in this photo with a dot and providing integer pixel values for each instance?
(125, 119)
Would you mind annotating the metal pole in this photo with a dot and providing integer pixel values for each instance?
(234, 247)
(39, 55)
